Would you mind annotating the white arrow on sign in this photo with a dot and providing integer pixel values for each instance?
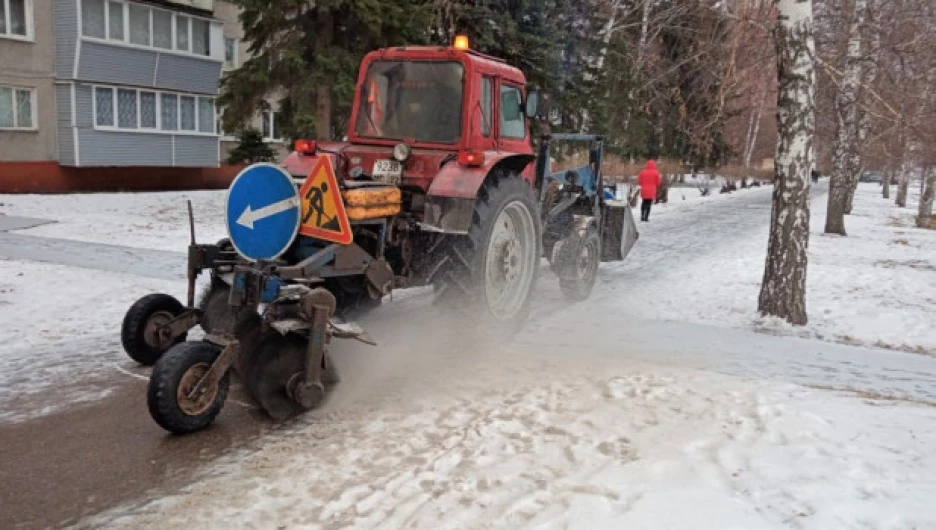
(249, 217)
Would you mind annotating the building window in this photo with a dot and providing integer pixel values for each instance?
(170, 112)
(151, 111)
(512, 124)
(230, 52)
(104, 107)
(115, 20)
(16, 108)
(206, 115)
(186, 113)
(140, 25)
(268, 124)
(201, 37)
(162, 29)
(16, 18)
(94, 20)
(127, 106)
(182, 33)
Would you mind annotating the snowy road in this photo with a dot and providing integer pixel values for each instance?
(593, 417)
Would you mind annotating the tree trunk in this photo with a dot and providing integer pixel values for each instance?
(846, 154)
(925, 216)
(757, 115)
(888, 174)
(903, 186)
(783, 291)
(869, 74)
(323, 94)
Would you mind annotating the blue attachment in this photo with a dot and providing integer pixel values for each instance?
(585, 178)
(262, 212)
(240, 282)
(271, 287)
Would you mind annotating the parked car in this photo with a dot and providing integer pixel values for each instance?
(871, 176)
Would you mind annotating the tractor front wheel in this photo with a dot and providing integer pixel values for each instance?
(494, 267)
(578, 261)
(141, 333)
(173, 402)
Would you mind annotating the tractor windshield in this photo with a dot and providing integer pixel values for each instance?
(411, 99)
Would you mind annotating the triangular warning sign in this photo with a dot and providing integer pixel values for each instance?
(323, 212)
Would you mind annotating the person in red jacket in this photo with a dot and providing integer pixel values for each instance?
(649, 181)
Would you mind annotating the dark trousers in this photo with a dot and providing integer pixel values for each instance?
(645, 209)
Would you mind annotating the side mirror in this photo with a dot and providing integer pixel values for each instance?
(532, 104)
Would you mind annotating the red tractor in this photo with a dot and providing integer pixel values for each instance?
(436, 184)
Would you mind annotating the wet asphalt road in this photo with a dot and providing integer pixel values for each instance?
(61, 467)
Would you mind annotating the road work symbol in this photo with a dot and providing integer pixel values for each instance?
(262, 212)
(323, 212)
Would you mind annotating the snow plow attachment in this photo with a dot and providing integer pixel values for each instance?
(618, 231)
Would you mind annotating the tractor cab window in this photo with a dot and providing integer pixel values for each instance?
(512, 124)
(486, 83)
(405, 99)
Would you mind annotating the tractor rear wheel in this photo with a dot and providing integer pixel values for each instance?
(171, 399)
(140, 332)
(578, 260)
(493, 269)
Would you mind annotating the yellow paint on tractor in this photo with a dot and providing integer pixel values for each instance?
(371, 202)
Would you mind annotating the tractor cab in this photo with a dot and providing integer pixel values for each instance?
(418, 109)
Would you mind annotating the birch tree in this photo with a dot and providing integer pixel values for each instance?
(783, 291)
(846, 154)
(925, 215)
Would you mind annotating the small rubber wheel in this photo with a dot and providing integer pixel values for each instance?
(139, 332)
(169, 397)
(582, 259)
(215, 305)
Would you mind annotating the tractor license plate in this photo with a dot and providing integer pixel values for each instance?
(388, 171)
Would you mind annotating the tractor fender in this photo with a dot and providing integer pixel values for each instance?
(451, 197)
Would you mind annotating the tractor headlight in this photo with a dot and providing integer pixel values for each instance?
(401, 152)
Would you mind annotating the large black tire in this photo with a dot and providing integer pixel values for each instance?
(214, 303)
(182, 366)
(581, 256)
(137, 331)
(492, 271)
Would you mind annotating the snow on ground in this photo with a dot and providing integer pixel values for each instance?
(42, 303)
(508, 439)
(874, 287)
(140, 220)
(160, 220)
(61, 330)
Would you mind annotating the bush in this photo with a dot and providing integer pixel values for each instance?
(251, 149)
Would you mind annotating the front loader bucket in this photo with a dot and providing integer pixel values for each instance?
(618, 231)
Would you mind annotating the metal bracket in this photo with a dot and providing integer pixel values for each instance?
(218, 368)
(318, 306)
(179, 325)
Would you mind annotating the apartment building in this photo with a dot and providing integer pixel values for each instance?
(113, 93)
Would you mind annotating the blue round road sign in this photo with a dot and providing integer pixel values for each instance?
(262, 212)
